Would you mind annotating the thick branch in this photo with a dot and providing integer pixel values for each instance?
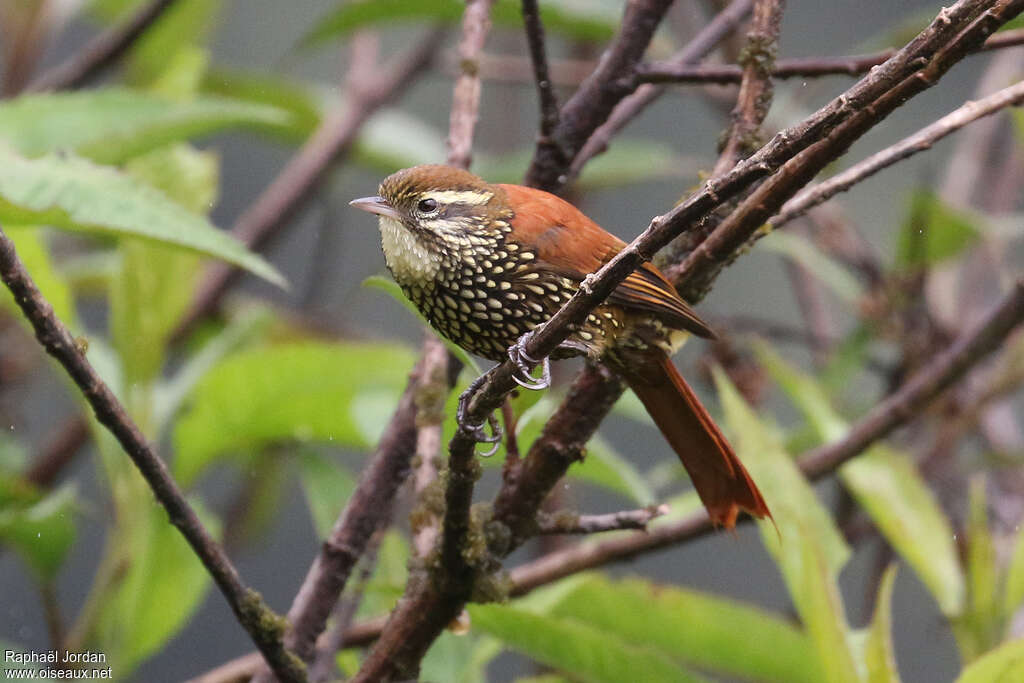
(590, 106)
(918, 142)
(102, 51)
(301, 177)
(671, 71)
(254, 615)
(710, 36)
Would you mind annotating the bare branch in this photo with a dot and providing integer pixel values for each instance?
(303, 174)
(710, 36)
(898, 409)
(590, 106)
(102, 51)
(565, 522)
(476, 24)
(918, 142)
(694, 275)
(672, 71)
(539, 59)
(262, 624)
(755, 96)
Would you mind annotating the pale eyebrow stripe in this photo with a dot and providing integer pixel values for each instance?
(459, 197)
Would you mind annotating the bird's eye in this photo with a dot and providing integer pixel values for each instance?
(427, 205)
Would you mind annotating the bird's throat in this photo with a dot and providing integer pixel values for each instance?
(411, 262)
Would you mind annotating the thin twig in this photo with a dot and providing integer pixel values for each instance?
(301, 177)
(568, 523)
(476, 24)
(719, 28)
(538, 57)
(918, 142)
(698, 270)
(755, 96)
(325, 665)
(671, 71)
(590, 106)
(58, 451)
(263, 625)
(102, 51)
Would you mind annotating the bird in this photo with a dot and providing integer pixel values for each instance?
(486, 263)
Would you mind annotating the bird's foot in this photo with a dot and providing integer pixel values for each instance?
(517, 354)
(477, 432)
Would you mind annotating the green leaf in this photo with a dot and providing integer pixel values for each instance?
(795, 508)
(114, 124)
(43, 532)
(587, 652)
(805, 543)
(878, 653)
(1001, 665)
(163, 584)
(576, 20)
(934, 232)
(184, 25)
(155, 283)
(30, 244)
(260, 88)
(75, 194)
(888, 486)
(826, 269)
(458, 659)
(1013, 598)
(981, 626)
(327, 486)
(297, 392)
(704, 631)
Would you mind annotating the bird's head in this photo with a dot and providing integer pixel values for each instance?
(436, 202)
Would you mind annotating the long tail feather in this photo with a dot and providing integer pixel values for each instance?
(721, 481)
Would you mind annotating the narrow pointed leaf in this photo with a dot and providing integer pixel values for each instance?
(888, 486)
(879, 655)
(589, 653)
(1001, 665)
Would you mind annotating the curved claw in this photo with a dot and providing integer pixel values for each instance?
(517, 353)
(477, 432)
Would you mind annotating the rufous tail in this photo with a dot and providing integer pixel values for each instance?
(721, 481)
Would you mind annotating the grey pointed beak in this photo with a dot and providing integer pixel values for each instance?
(377, 205)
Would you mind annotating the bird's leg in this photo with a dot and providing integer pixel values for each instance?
(476, 432)
(522, 362)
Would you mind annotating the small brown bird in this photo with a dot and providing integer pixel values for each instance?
(485, 264)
